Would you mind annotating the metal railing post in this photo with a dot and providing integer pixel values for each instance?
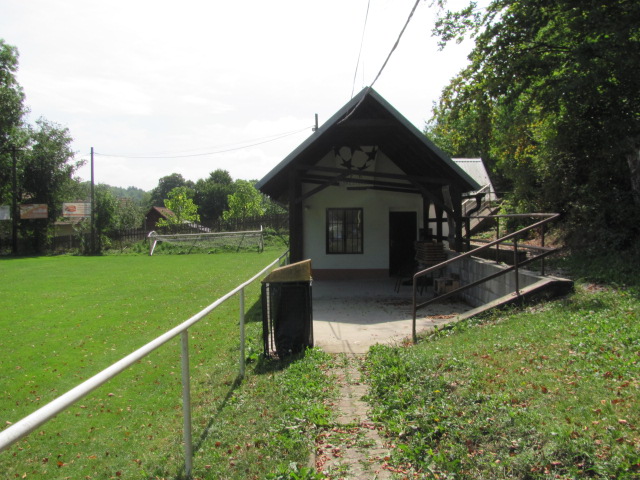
(413, 324)
(515, 264)
(242, 355)
(542, 229)
(497, 237)
(186, 405)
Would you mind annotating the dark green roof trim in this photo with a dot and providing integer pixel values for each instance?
(343, 114)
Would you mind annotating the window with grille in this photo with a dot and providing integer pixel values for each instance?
(344, 230)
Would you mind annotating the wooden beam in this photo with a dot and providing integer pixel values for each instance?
(322, 180)
(326, 182)
(295, 218)
(365, 173)
(369, 123)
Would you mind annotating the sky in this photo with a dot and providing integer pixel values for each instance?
(211, 84)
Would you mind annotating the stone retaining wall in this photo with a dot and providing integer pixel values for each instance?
(471, 269)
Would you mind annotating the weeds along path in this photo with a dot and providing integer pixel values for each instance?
(352, 448)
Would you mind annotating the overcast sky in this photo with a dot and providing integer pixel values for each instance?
(141, 78)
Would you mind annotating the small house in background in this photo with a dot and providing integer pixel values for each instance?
(65, 228)
(363, 188)
(475, 168)
(482, 202)
(154, 215)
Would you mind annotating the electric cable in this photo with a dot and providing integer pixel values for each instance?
(364, 28)
(395, 45)
(280, 136)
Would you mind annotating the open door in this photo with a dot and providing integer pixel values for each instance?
(403, 231)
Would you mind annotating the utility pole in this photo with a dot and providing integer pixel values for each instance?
(14, 205)
(93, 230)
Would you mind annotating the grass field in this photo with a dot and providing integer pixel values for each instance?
(549, 391)
(64, 319)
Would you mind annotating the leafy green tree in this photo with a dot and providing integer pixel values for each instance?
(105, 216)
(269, 207)
(181, 204)
(211, 194)
(245, 202)
(44, 159)
(12, 110)
(551, 99)
(129, 214)
(45, 176)
(165, 185)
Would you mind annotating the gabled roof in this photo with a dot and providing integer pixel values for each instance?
(474, 167)
(368, 119)
(164, 212)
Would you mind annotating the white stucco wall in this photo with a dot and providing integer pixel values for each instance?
(433, 226)
(376, 206)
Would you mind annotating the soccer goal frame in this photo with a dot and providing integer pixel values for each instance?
(207, 238)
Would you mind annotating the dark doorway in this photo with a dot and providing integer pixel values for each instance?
(403, 228)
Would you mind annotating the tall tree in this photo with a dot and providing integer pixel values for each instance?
(12, 110)
(165, 185)
(245, 202)
(179, 201)
(551, 99)
(43, 155)
(211, 194)
(45, 176)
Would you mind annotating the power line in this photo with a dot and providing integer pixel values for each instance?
(397, 42)
(395, 45)
(364, 28)
(270, 139)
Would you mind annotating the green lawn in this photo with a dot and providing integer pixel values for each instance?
(66, 318)
(547, 391)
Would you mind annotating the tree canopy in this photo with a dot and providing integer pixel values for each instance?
(165, 185)
(551, 101)
(179, 201)
(211, 194)
(44, 165)
(245, 202)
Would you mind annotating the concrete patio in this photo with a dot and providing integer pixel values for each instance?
(350, 316)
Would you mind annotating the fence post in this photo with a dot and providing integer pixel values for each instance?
(186, 405)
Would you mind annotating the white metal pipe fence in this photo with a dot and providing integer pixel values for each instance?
(31, 422)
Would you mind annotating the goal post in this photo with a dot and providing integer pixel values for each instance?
(209, 239)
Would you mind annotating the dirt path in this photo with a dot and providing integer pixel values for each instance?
(352, 449)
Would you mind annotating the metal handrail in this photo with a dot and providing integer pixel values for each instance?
(31, 422)
(548, 217)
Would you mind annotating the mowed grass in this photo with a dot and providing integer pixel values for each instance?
(549, 391)
(64, 319)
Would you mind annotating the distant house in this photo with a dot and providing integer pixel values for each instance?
(65, 228)
(475, 168)
(154, 215)
(489, 205)
(363, 188)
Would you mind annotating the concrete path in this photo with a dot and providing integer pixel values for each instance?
(352, 448)
(350, 316)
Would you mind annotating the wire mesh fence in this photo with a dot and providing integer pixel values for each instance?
(125, 238)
